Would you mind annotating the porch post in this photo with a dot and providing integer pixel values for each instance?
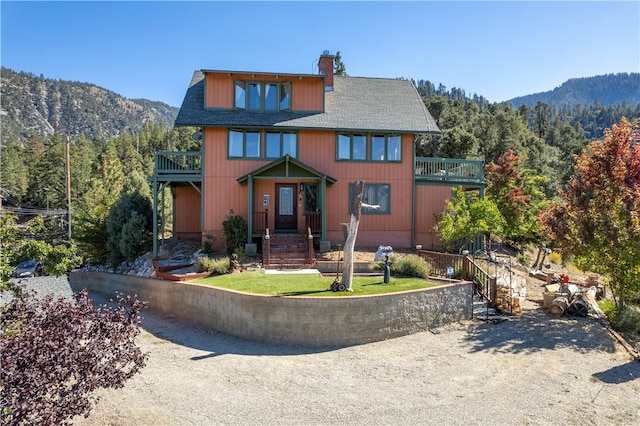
(155, 216)
(250, 209)
(323, 203)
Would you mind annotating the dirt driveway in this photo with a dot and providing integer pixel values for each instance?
(529, 369)
(524, 370)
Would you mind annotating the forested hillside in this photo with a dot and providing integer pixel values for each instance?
(32, 104)
(606, 90)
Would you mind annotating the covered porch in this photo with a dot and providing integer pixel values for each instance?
(286, 196)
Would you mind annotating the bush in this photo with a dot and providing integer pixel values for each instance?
(56, 353)
(235, 232)
(215, 266)
(409, 266)
(129, 227)
(555, 258)
(628, 320)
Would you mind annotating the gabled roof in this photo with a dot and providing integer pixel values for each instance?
(286, 167)
(355, 104)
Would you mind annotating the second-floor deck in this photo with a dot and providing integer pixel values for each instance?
(187, 166)
(178, 166)
(449, 171)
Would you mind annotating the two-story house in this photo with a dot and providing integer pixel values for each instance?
(284, 150)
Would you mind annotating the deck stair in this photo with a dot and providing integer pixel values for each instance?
(288, 251)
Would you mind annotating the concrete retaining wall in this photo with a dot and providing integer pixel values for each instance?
(309, 321)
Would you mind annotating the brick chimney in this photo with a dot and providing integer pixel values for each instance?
(325, 66)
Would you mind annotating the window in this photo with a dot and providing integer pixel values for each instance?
(260, 96)
(281, 144)
(244, 144)
(352, 147)
(374, 194)
(386, 148)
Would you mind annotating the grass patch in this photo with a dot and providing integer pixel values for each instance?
(258, 282)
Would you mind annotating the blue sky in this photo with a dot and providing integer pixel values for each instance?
(150, 49)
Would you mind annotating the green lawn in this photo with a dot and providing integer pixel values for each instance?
(309, 284)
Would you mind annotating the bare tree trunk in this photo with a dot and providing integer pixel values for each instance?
(350, 241)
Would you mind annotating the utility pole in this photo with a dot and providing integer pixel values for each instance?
(68, 174)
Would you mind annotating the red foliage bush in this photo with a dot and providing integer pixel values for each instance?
(56, 353)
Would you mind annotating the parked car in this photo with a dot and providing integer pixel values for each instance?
(29, 268)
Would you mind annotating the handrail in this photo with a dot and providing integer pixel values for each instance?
(463, 267)
(446, 169)
(260, 221)
(313, 220)
(178, 162)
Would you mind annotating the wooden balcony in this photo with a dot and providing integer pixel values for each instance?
(178, 166)
(450, 171)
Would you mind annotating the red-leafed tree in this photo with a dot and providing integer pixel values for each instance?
(517, 196)
(56, 353)
(598, 218)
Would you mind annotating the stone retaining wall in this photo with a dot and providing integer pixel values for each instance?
(309, 321)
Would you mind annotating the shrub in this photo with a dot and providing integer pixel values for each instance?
(207, 245)
(409, 266)
(129, 227)
(235, 232)
(628, 320)
(56, 353)
(555, 258)
(215, 266)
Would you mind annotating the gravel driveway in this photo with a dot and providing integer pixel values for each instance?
(524, 370)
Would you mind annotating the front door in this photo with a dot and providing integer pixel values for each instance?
(286, 212)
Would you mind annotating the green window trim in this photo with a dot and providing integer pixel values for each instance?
(386, 148)
(263, 96)
(279, 144)
(248, 144)
(244, 144)
(379, 148)
(373, 194)
(351, 147)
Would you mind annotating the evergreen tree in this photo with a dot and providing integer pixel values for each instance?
(339, 68)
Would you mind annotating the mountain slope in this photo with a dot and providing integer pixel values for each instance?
(36, 104)
(610, 89)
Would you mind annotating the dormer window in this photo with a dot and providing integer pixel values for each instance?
(262, 96)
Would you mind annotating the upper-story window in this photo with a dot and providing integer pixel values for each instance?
(355, 147)
(244, 144)
(352, 147)
(248, 144)
(262, 96)
(281, 144)
(386, 148)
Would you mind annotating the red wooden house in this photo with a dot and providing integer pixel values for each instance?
(284, 150)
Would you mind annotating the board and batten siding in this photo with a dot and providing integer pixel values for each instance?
(219, 89)
(317, 149)
(187, 212)
(430, 201)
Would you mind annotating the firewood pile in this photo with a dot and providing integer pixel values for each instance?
(511, 291)
(573, 299)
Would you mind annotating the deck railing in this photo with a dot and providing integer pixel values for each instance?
(463, 267)
(178, 163)
(260, 221)
(449, 169)
(313, 220)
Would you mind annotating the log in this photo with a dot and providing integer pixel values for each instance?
(558, 306)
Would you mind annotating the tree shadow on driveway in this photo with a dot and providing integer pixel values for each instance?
(535, 330)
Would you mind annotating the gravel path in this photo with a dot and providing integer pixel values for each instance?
(526, 370)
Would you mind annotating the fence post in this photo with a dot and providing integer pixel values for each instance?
(465, 268)
(267, 248)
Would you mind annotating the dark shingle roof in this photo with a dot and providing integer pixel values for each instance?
(355, 104)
